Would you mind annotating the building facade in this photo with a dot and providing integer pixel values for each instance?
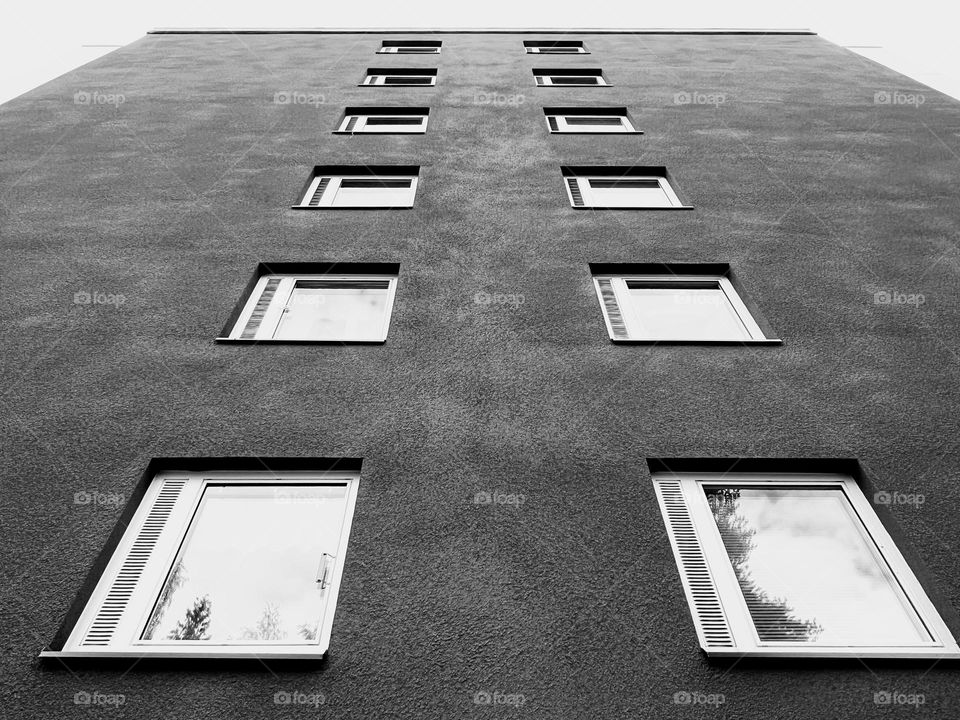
(619, 369)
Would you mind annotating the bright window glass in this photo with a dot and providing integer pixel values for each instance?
(659, 310)
(249, 568)
(320, 312)
(628, 192)
(808, 570)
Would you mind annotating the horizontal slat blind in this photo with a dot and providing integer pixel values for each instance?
(575, 192)
(260, 309)
(705, 600)
(318, 193)
(612, 307)
(111, 610)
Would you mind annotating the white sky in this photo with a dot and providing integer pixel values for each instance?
(39, 41)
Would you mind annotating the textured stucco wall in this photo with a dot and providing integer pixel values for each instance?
(816, 195)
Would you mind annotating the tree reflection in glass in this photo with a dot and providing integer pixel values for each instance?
(808, 570)
(247, 571)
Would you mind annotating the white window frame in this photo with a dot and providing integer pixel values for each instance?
(329, 198)
(721, 575)
(594, 197)
(547, 49)
(387, 49)
(281, 299)
(126, 637)
(563, 126)
(362, 125)
(626, 308)
(381, 80)
(547, 80)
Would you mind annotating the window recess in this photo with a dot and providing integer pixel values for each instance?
(589, 120)
(360, 186)
(675, 303)
(624, 187)
(554, 47)
(222, 563)
(410, 47)
(570, 77)
(384, 120)
(316, 302)
(784, 564)
(400, 77)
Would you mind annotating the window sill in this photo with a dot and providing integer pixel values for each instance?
(392, 132)
(764, 341)
(353, 207)
(270, 341)
(595, 132)
(632, 209)
(393, 85)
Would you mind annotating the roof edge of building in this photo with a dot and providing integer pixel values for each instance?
(491, 31)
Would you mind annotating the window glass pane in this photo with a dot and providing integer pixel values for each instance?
(682, 313)
(247, 570)
(808, 570)
(373, 183)
(599, 120)
(407, 80)
(621, 192)
(394, 120)
(625, 183)
(314, 312)
(574, 79)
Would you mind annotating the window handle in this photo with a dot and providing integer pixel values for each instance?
(325, 571)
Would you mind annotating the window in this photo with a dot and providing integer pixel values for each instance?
(628, 187)
(384, 120)
(400, 77)
(360, 186)
(793, 564)
(410, 47)
(224, 563)
(569, 77)
(674, 303)
(555, 47)
(316, 302)
(588, 120)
